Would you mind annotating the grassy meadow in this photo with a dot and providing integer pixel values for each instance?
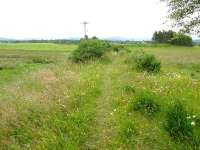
(49, 102)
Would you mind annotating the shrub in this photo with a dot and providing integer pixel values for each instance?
(182, 40)
(117, 48)
(145, 62)
(177, 124)
(89, 49)
(145, 103)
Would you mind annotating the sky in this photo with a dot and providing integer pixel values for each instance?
(51, 19)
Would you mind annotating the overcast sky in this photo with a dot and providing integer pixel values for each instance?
(62, 18)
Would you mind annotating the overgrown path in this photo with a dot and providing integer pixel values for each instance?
(104, 130)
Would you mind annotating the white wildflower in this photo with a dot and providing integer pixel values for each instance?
(193, 123)
(194, 116)
(115, 110)
(188, 117)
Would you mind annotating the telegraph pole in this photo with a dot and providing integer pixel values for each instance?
(85, 29)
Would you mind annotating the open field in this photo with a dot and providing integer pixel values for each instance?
(37, 46)
(48, 102)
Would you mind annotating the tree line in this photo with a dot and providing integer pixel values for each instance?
(172, 37)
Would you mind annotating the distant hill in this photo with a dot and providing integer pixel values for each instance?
(57, 41)
(116, 38)
(119, 38)
(6, 39)
(196, 41)
(76, 39)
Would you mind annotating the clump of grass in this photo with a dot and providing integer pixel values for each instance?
(128, 133)
(177, 124)
(145, 62)
(117, 48)
(7, 66)
(192, 74)
(128, 89)
(145, 103)
(41, 60)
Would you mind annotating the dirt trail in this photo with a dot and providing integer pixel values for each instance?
(101, 139)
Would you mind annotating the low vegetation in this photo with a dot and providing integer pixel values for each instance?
(178, 126)
(145, 103)
(118, 48)
(41, 60)
(128, 133)
(145, 62)
(50, 102)
(89, 49)
(181, 126)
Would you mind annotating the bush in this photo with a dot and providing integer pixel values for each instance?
(117, 48)
(177, 124)
(145, 62)
(145, 104)
(182, 40)
(89, 49)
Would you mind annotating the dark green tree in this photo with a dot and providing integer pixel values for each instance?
(95, 38)
(163, 36)
(181, 39)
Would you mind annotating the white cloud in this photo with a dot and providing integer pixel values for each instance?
(62, 18)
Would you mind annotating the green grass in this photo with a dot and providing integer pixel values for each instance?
(58, 104)
(172, 54)
(22, 57)
(37, 46)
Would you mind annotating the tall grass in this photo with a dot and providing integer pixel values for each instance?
(64, 105)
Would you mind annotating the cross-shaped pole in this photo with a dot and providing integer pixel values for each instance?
(85, 29)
